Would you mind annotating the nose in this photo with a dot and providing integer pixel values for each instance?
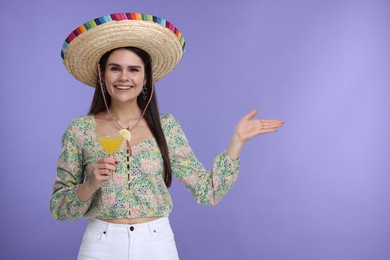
(123, 77)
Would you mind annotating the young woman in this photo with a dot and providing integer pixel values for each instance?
(126, 197)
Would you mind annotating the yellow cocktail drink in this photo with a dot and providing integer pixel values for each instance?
(110, 143)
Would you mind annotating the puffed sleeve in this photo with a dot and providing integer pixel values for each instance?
(207, 187)
(64, 203)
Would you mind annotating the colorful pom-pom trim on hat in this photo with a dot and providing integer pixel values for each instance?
(119, 17)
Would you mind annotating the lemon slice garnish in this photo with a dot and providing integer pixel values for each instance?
(125, 134)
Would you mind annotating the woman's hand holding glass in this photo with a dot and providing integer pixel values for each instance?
(102, 171)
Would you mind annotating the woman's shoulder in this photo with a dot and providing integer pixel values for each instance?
(168, 122)
(167, 118)
(82, 120)
(170, 125)
(81, 123)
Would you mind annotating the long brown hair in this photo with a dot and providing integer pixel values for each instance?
(152, 115)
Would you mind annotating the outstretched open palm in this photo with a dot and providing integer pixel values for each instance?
(248, 127)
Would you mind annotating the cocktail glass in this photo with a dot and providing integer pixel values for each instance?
(110, 143)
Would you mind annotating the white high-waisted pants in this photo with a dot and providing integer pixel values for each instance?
(152, 240)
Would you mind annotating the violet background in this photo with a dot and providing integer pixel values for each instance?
(317, 189)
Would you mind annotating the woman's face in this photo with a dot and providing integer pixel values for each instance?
(124, 76)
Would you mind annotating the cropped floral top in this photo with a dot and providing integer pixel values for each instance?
(145, 195)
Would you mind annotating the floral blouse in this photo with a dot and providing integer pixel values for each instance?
(142, 193)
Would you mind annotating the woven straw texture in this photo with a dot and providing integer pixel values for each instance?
(82, 54)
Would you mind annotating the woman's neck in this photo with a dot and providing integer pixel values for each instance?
(125, 113)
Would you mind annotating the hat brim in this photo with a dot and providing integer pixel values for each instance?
(82, 52)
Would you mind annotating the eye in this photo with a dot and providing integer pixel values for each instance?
(134, 69)
(114, 68)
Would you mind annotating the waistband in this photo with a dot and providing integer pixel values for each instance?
(107, 227)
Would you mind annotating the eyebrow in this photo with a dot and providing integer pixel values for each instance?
(131, 66)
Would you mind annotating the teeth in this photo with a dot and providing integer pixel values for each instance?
(122, 87)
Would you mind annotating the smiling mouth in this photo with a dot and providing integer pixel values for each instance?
(123, 87)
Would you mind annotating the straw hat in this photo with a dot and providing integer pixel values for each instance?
(84, 47)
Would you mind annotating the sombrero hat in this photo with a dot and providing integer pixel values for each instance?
(84, 47)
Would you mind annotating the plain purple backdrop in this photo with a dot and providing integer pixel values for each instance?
(316, 189)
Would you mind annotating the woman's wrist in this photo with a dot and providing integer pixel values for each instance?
(85, 191)
(234, 148)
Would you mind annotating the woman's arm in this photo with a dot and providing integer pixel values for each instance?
(206, 186)
(65, 203)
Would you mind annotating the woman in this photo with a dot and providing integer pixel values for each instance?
(126, 198)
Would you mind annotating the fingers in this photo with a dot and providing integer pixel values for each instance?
(106, 163)
(271, 124)
(104, 166)
(103, 170)
(107, 160)
(250, 114)
(266, 126)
